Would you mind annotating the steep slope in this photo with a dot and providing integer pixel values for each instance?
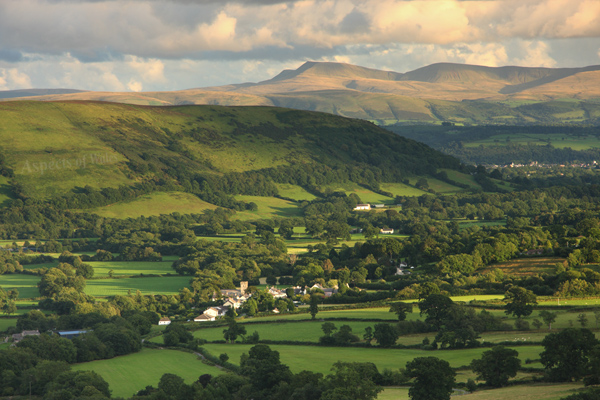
(58, 148)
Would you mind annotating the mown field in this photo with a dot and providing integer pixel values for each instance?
(320, 359)
(25, 284)
(128, 374)
(103, 268)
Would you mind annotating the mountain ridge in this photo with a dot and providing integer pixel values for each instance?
(494, 94)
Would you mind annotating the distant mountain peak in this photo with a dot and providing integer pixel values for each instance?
(336, 70)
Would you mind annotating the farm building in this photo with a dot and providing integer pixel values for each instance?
(386, 231)
(204, 318)
(71, 334)
(362, 207)
(164, 321)
(17, 337)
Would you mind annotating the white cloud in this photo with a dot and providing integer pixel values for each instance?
(535, 55)
(12, 78)
(149, 70)
(134, 86)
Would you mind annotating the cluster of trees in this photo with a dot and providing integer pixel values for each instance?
(24, 373)
(7, 300)
(103, 338)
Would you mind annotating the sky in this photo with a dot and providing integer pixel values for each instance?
(150, 45)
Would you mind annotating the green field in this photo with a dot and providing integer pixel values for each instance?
(6, 323)
(294, 192)
(25, 284)
(366, 195)
(400, 189)
(102, 268)
(268, 207)
(128, 374)
(155, 204)
(161, 285)
(320, 359)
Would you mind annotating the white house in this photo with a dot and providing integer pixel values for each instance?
(164, 321)
(386, 231)
(277, 293)
(362, 207)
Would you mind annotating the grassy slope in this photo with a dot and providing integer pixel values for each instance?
(268, 207)
(56, 147)
(128, 374)
(155, 204)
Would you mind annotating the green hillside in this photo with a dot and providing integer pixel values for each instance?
(72, 152)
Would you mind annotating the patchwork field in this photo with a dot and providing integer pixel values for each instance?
(155, 204)
(162, 285)
(128, 374)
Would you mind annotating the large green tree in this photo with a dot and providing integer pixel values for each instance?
(385, 334)
(496, 366)
(566, 354)
(434, 378)
(520, 301)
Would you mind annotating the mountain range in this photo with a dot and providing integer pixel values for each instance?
(437, 92)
